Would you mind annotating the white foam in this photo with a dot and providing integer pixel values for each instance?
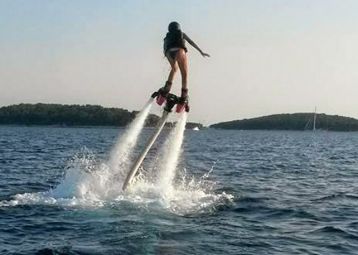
(121, 152)
(169, 154)
(88, 179)
(183, 196)
(81, 188)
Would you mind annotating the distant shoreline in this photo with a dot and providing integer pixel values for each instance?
(59, 126)
(104, 127)
(62, 116)
(292, 122)
(204, 128)
(90, 116)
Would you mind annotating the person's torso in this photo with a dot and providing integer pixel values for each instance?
(174, 40)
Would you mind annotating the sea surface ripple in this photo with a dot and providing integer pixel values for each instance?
(287, 193)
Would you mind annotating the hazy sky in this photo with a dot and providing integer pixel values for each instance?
(268, 56)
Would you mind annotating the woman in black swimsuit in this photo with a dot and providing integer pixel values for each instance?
(175, 51)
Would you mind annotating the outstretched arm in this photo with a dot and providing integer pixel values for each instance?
(195, 46)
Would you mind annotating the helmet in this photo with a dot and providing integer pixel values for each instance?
(173, 26)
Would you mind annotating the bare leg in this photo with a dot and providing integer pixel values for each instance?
(183, 66)
(173, 71)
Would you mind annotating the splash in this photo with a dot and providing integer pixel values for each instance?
(84, 186)
(184, 195)
(121, 152)
(85, 178)
(170, 154)
(91, 180)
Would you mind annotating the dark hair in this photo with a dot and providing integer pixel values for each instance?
(174, 26)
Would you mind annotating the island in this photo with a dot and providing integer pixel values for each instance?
(294, 121)
(61, 115)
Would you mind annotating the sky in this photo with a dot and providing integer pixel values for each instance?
(267, 56)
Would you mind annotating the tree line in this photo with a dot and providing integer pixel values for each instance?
(296, 121)
(67, 115)
(73, 115)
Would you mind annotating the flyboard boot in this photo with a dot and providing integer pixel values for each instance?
(162, 93)
(183, 101)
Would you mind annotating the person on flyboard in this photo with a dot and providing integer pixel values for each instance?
(175, 52)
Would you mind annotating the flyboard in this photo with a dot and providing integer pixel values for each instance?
(170, 101)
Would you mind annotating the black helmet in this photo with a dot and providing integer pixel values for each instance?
(174, 26)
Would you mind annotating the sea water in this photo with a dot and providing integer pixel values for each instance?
(233, 192)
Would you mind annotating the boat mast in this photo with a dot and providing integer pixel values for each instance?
(314, 118)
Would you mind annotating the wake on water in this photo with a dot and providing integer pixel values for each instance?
(89, 183)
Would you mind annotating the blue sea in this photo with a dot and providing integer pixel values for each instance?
(234, 192)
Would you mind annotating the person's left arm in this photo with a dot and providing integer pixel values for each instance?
(192, 43)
